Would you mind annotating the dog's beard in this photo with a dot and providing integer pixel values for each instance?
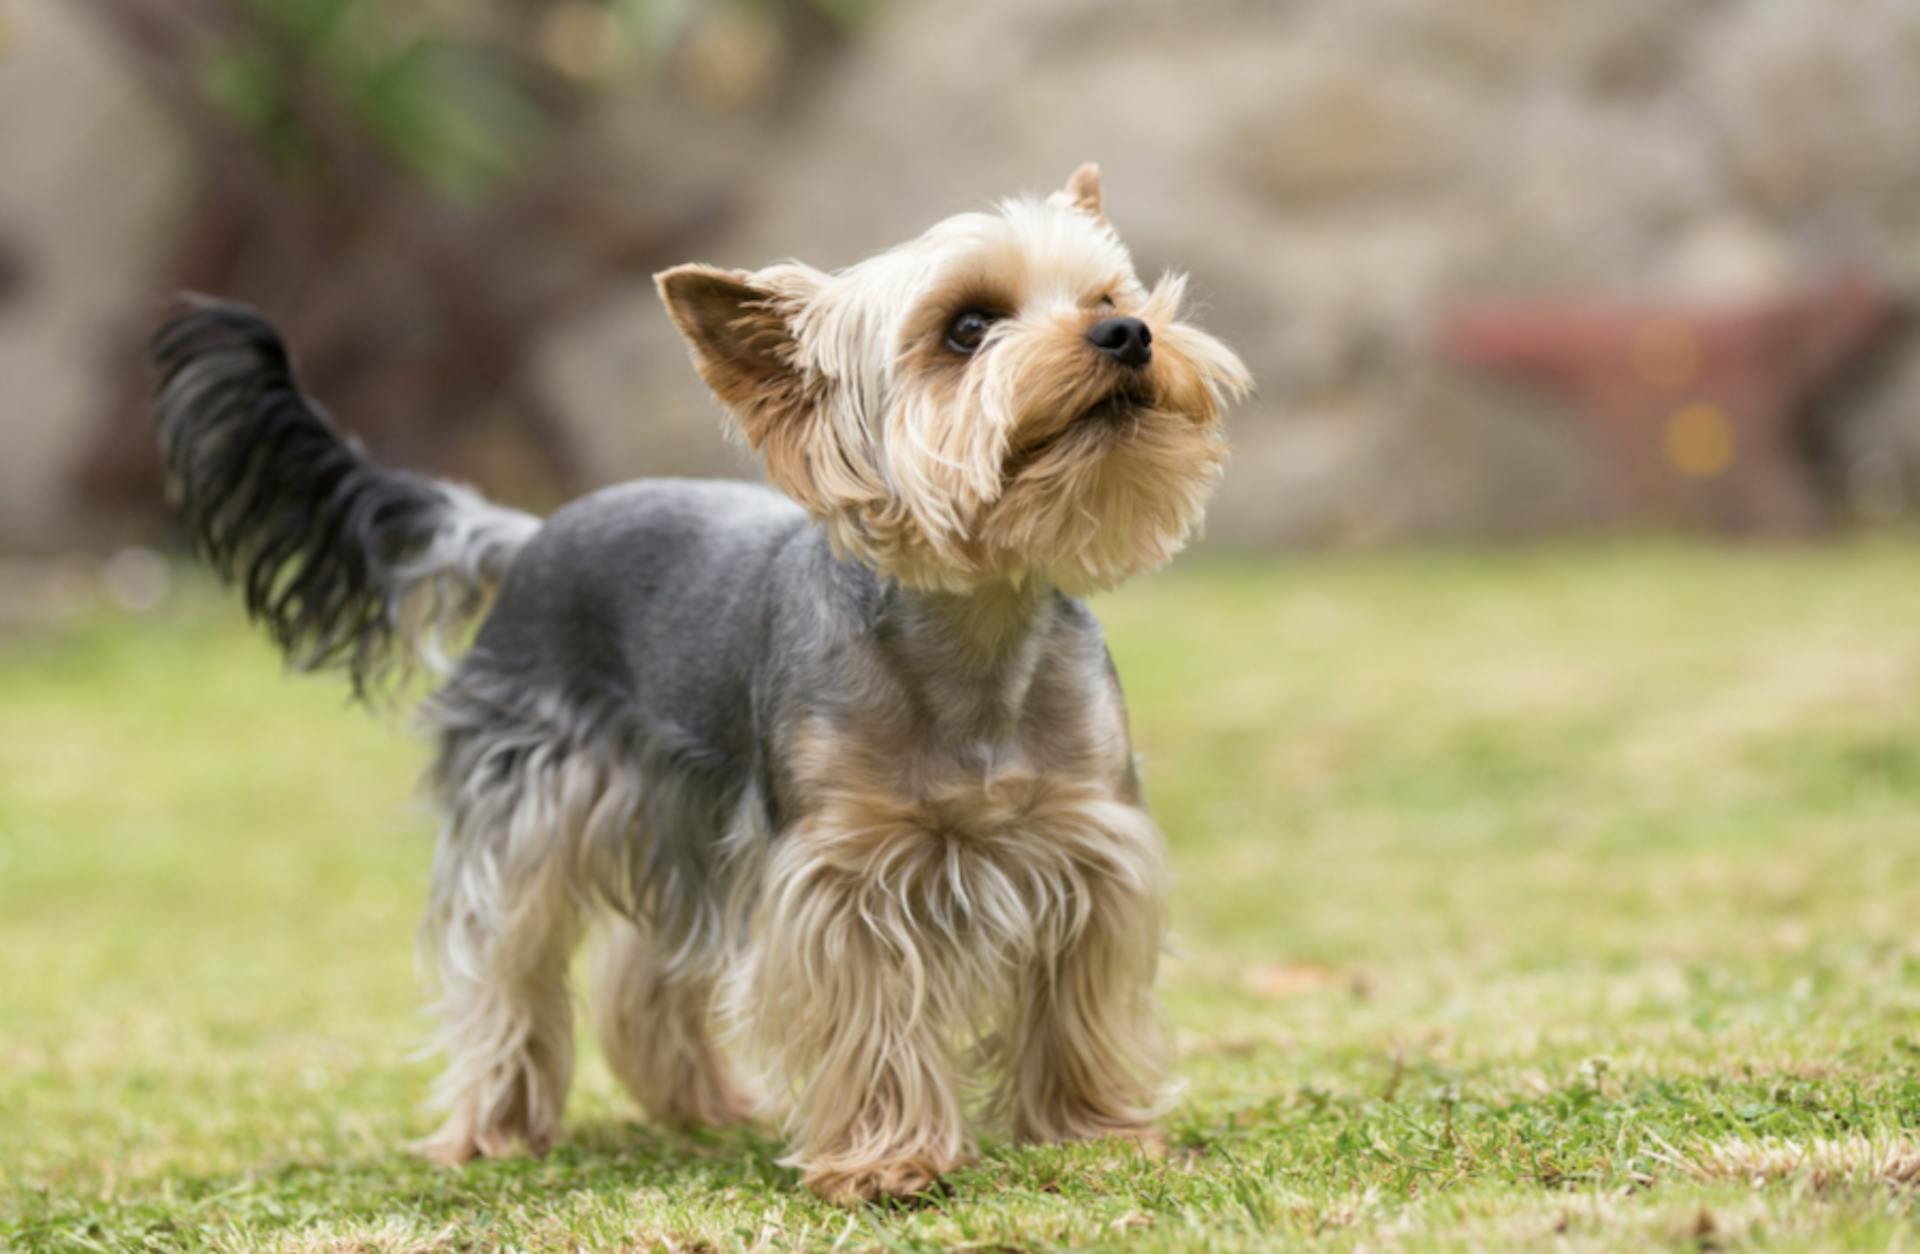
(1083, 493)
(1094, 430)
(1114, 493)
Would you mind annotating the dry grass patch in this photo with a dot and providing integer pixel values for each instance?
(1822, 1163)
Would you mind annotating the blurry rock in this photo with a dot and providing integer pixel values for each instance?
(1336, 129)
(1359, 472)
(1570, 194)
(1628, 49)
(1493, 41)
(1624, 48)
(637, 408)
(1731, 258)
(1815, 103)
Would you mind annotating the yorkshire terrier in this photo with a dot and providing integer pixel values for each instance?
(840, 774)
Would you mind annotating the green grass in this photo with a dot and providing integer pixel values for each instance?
(1559, 897)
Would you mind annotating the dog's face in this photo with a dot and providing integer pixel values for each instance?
(1001, 398)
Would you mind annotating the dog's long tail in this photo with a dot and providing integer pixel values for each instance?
(348, 565)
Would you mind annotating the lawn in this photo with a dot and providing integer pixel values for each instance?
(1561, 897)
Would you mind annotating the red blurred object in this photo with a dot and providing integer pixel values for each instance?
(1697, 415)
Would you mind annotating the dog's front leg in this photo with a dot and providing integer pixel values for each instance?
(1087, 1048)
(849, 1006)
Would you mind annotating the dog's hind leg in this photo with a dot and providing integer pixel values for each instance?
(504, 921)
(654, 1019)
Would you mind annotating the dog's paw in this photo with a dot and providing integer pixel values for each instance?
(873, 1182)
(449, 1147)
(460, 1141)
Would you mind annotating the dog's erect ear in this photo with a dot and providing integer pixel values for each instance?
(740, 327)
(1082, 191)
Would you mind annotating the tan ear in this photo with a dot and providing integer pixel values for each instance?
(1083, 190)
(740, 326)
(742, 342)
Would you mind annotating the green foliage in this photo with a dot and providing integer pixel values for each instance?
(1561, 898)
(444, 106)
(421, 82)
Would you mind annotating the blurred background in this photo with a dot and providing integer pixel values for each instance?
(1503, 268)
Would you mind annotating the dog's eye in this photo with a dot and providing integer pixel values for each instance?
(1105, 302)
(967, 330)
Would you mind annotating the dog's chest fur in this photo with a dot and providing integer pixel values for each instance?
(973, 774)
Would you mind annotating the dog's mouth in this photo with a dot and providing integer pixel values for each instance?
(1108, 416)
(1117, 406)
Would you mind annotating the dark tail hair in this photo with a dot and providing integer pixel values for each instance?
(348, 565)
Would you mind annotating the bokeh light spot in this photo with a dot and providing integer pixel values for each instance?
(1699, 441)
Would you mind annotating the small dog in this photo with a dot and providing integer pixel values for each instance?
(842, 776)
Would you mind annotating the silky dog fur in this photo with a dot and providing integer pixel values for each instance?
(837, 776)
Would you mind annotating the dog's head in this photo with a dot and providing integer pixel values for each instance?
(1001, 398)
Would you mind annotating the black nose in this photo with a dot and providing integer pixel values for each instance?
(1128, 339)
